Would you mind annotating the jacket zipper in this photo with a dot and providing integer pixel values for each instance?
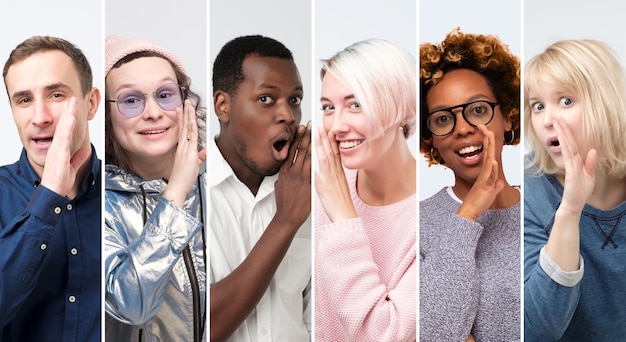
(195, 292)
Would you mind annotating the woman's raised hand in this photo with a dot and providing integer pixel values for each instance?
(579, 173)
(330, 182)
(187, 159)
(487, 186)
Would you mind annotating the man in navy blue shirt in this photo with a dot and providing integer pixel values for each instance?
(50, 226)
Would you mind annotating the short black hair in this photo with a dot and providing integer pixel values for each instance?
(228, 65)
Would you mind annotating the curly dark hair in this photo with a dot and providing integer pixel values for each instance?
(484, 54)
(228, 65)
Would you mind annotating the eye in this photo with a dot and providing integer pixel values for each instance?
(23, 100)
(130, 100)
(354, 106)
(441, 119)
(266, 100)
(537, 107)
(165, 95)
(57, 96)
(566, 101)
(478, 109)
(327, 108)
(295, 100)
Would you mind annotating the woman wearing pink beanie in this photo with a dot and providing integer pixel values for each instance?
(154, 246)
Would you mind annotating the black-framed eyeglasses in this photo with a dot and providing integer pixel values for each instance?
(131, 103)
(442, 122)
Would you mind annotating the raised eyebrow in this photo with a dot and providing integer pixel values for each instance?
(299, 90)
(273, 87)
(473, 98)
(56, 86)
(133, 86)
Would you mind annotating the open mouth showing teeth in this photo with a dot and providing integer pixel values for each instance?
(279, 145)
(470, 151)
(349, 144)
(555, 143)
(153, 132)
(42, 140)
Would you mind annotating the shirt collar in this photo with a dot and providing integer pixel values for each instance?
(220, 171)
(219, 168)
(92, 178)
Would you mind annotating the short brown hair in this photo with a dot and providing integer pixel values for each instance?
(36, 44)
(114, 152)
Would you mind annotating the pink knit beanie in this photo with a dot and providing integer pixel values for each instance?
(118, 48)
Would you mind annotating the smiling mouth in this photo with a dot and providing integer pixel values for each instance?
(152, 132)
(470, 151)
(348, 144)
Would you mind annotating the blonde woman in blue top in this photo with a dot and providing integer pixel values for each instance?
(575, 194)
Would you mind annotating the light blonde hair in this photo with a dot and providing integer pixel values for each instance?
(591, 71)
(382, 77)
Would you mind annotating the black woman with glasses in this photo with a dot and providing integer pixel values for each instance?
(155, 263)
(470, 231)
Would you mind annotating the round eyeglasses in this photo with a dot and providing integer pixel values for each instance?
(131, 103)
(442, 122)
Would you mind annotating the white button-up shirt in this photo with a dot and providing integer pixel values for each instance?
(237, 219)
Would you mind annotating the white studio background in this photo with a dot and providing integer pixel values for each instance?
(499, 18)
(289, 22)
(79, 22)
(546, 22)
(178, 26)
(339, 24)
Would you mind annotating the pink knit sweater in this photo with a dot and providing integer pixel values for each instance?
(365, 272)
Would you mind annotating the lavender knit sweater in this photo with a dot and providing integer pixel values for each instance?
(469, 272)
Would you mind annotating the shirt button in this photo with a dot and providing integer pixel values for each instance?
(69, 206)
(74, 251)
(57, 210)
(43, 246)
(72, 299)
(264, 331)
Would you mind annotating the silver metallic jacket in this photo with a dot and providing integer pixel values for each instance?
(155, 261)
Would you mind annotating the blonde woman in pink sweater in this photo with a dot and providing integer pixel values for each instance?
(365, 218)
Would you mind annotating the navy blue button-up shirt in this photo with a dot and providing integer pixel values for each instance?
(50, 257)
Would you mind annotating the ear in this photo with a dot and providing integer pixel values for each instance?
(221, 104)
(508, 124)
(94, 102)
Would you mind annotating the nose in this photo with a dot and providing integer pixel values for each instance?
(151, 109)
(285, 114)
(43, 114)
(549, 117)
(338, 123)
(462, 127)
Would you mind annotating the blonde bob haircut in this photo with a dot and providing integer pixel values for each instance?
(382, 77)
(591, 72)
